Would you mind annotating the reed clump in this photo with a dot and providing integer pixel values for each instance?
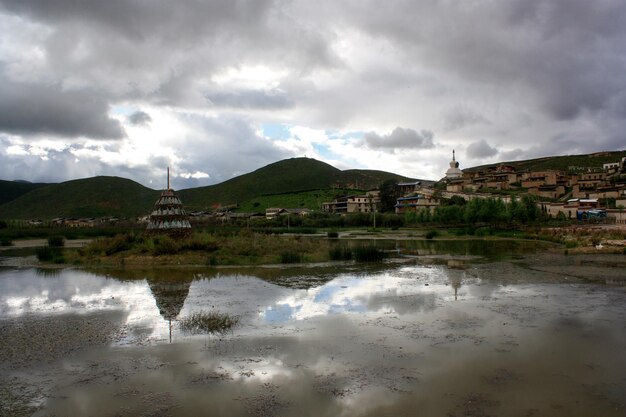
(208, 322)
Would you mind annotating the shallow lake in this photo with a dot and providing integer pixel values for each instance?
(470, 329)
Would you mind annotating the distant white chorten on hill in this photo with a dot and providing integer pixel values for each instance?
(454, 172)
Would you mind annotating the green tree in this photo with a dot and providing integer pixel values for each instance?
(389, 194)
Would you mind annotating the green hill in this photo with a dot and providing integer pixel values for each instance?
(574, 163)
(288, 176)
(10, 190)
(290, 183)
(90, 197)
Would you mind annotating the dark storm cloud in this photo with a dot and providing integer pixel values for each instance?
(139, 118)
(138, 19)
(400, 138)
(481, 149)
(167, 52)
(38, 108)
(566, 55)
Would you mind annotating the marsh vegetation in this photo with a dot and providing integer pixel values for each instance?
(208, 322)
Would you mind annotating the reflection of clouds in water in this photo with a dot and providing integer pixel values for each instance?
(70, 291)
(405, 289)
(76, 292)
(484, 290)
(406, 304)
(398, 292)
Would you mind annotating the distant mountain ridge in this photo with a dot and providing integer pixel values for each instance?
(89, 197)
(10, 190)
(120, 197)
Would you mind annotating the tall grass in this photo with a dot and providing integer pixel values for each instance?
(204, 322)
(50, 254)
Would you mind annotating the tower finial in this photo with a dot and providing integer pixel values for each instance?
(453, 155)
(168, 178)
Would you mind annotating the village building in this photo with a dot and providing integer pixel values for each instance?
(415, 203)
(273, 212)
(365, 203)
(168, 214)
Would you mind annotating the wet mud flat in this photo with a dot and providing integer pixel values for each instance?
(536, 335)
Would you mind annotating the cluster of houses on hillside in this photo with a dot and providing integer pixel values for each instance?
(578, 192)
(76, 222)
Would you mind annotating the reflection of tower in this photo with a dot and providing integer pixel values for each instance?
(453, 276)
(456, 284)
(170, 297)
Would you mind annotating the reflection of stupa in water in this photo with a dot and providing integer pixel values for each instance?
(168, 214)
(170, 297)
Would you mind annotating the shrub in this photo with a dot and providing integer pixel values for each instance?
(340, 253)
(290, 257)
(199, 243)
(50, 254)
(5, 241)
(332, 234)
(56, 241)
(368, 254)
(165, 245)
(431, 234)
(483, 231)
(118, 243)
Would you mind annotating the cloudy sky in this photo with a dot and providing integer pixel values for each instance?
(216, 89)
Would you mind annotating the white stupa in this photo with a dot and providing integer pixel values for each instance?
(454, 173)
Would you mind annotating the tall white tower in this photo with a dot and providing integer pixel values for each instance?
(454, 172)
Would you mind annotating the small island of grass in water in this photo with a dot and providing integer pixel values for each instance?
(208, 322)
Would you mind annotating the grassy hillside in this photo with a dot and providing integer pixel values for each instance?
(287, 176)
(90, 197)
(310, 181)
(306, 199)
(563, 163)
(10, 190)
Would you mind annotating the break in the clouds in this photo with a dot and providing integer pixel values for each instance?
(130, 86)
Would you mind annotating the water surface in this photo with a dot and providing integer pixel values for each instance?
(451, 338)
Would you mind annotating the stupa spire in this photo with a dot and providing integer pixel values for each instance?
(168, 176)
